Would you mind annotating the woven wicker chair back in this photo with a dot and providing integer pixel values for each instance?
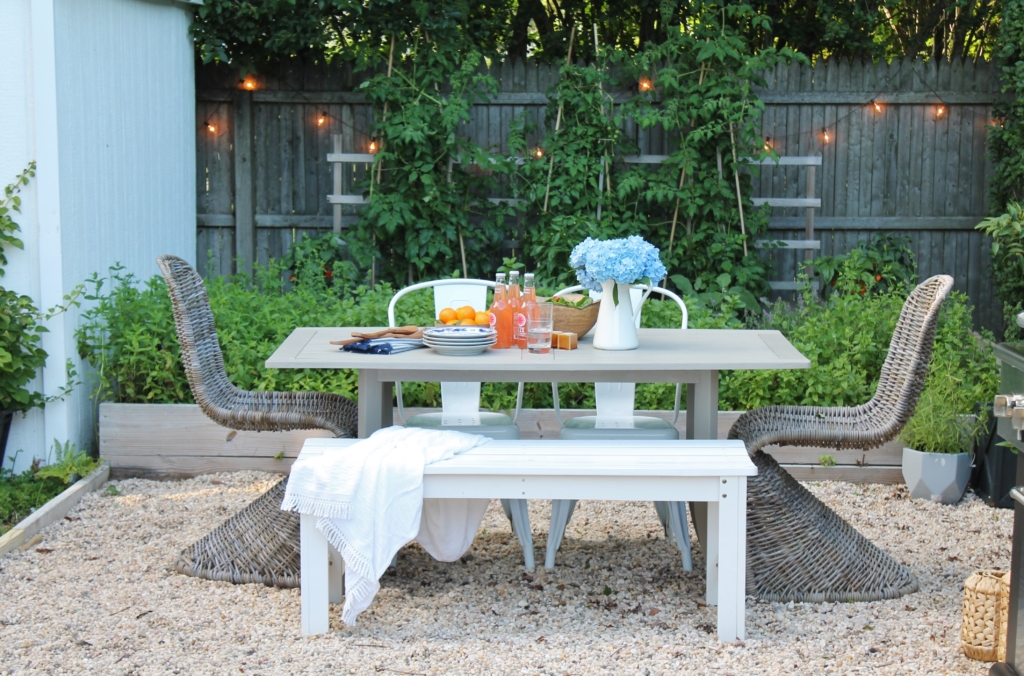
(224, 403)
(910, 351)
(197, 335)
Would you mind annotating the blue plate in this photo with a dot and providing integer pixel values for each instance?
(459, 332)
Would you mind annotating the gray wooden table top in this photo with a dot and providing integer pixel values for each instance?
(662, 352)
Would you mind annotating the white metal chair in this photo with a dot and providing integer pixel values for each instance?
(616, 419)
(460, 402)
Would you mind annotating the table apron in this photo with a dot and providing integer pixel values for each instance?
(537, 376)
(532, 487)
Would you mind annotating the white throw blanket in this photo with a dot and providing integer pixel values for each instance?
(369, 500)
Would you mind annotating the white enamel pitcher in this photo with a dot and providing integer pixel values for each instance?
(617, 324)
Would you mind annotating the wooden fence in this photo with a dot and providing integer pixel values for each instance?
(902, 145)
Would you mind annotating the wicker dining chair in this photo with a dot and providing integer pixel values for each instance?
(797, 548)
(260, 544)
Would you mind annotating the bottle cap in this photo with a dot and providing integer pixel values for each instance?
(500, 277)
(513, 275)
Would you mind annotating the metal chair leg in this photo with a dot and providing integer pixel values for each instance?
(521, 526)
(680, 532)
(561, 512)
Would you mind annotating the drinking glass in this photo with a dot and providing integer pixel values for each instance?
(538, 328)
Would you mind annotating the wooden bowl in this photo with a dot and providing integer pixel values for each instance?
(569, 319)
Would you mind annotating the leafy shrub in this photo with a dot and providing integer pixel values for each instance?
(21, 322)
(1007, 233)
(22, 493)
(846, 338)
(883, 263)
(129, 337)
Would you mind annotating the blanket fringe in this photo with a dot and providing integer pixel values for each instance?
(319, 507)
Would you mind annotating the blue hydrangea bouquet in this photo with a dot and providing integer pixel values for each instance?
(625, 261)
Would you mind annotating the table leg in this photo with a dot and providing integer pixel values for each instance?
(314, 582)
(375, 405)
(705, 407)
(732, 538)
(702, 423)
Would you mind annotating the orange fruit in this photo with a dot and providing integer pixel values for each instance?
(483, 318)
(466, 312)
(467, 322)
(447, 315)
(451, 322)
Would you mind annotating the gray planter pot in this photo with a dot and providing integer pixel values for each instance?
(941, 477)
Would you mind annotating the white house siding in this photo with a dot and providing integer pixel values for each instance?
(122, 137)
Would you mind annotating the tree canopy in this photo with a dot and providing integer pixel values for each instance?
(252, 33)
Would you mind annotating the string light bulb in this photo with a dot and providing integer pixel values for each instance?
(249, 83)
(373, 147)
(645, 84)
(538, 152)
(210, 126)
(940, 111)
(320, 120)
(878, 108)
(768, 144)
(824, 133)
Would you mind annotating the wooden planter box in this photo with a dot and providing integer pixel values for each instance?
(178, 440)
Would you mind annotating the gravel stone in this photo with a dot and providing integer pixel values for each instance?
(97, 596)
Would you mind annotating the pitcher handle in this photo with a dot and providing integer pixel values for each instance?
(643, 299)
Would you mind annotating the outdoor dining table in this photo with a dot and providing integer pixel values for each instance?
(691, 356)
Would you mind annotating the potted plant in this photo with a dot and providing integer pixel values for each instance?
(938, 440)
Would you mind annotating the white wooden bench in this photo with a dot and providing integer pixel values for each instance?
(712, 472)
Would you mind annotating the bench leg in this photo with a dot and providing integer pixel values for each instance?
(335, 576)
(711, 552)
(561, 512)
(521, 526)
(680, 532)
(315, 584)
(732, 546)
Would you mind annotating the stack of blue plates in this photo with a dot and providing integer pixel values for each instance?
(458, 341)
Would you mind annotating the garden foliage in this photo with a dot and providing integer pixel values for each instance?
(1006, 136)
(22, 493)
(1007, 233)
(129, 337)
(21, 322)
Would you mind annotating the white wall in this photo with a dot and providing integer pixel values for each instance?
(122, 137)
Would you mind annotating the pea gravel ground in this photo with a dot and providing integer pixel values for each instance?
(96, 596)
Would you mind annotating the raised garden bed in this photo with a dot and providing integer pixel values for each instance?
(177, 440)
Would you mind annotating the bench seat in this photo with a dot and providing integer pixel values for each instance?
(712, 472)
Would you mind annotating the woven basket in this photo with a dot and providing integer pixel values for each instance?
(986, 605)
(572, 320)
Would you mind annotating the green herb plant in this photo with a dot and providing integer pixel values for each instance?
(942, 422)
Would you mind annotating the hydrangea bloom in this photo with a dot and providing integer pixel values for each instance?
(625, 260)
